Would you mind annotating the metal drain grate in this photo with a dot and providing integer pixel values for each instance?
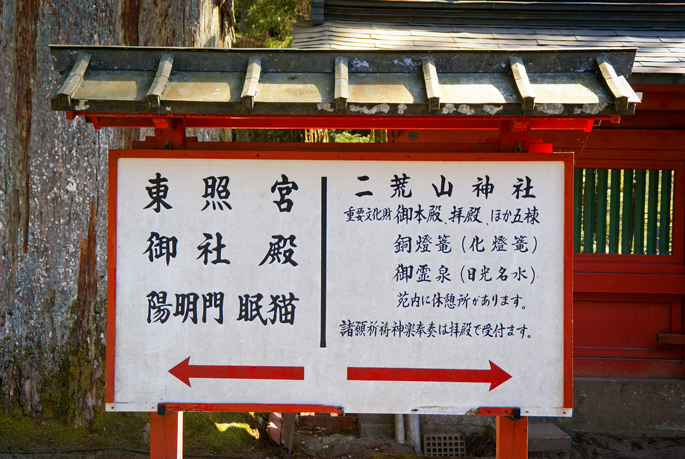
(450, 445)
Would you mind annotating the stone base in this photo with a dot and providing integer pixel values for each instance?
(543, 437)
(654, 407)
(627, 407)
(375, 425)
(547, 437)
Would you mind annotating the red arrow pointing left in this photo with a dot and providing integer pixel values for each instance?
(184, 371)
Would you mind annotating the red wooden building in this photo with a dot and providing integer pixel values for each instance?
(629, 266)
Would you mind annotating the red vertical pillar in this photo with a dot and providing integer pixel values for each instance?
(514, 136)
(169, 133)
(287, 433)
(166, 436)
(512, 438)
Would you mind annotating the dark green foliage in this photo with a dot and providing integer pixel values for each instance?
(268, 23)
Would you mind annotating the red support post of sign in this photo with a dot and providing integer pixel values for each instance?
(514, 136)
(166, 435)
(288, 433)
(169, 133)
(512, 438)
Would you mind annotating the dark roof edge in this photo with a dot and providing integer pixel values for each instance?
(361, 61)
(656, 78)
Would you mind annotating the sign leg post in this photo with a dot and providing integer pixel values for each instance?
(512, 438)
(287, 433)
(166, 436)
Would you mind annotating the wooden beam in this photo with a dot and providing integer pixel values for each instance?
(166, 435)
(342, 92)
(166, 62)
(665, 338)
(617, 85)
(73, 80)
(287, 433)
(512, 438)
(649, 120)
(667, 284)
(366, 122)
(525, 89)
(616, 139)
(254, 70)
(430, 77)
(628, 368)
(251, 407)
(169, 133)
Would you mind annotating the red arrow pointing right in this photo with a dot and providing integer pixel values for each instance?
(494, 376)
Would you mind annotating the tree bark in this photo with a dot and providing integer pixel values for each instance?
(316, 136)
(53, 193)
(266, 135)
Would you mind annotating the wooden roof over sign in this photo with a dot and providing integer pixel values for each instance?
(182, 81)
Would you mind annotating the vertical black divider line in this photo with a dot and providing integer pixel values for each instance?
(324, 193)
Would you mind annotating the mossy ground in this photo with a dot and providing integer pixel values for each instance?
(220, 433)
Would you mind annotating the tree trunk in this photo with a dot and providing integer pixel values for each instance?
(316, 135)
(281, 135)
(266, 135)
(53, 193)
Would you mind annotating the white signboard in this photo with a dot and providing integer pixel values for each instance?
(378, 286)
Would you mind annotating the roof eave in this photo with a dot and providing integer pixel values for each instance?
(183, 81)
